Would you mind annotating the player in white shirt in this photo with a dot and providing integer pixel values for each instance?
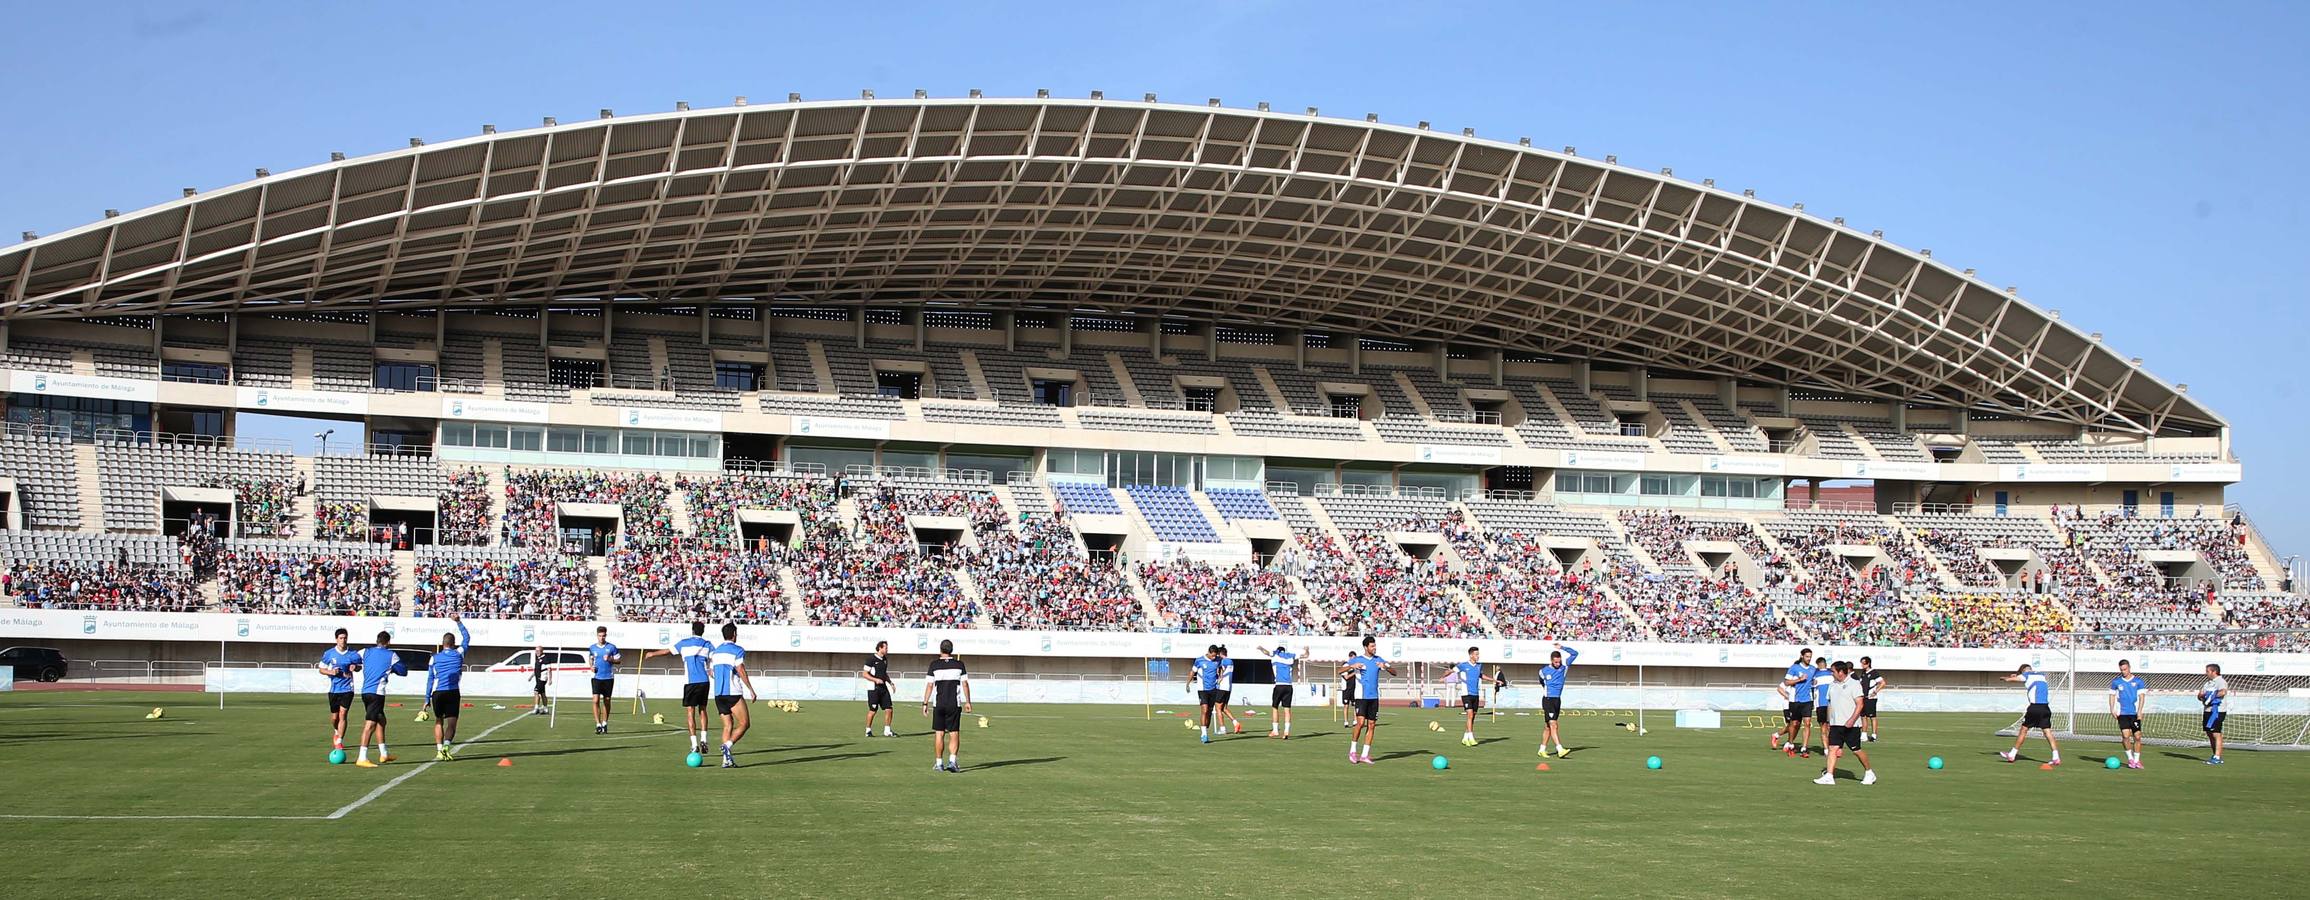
(1843, 698)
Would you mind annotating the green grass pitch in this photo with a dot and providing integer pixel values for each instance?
(1099, 801)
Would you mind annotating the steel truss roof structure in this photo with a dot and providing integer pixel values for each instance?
(1232, 216)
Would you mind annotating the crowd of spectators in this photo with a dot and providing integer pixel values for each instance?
(1697, 609)
(461, 516)
(262, 581)
(1514, 579)
(533, 498)
(1961, 556)
(1664, 534)
(1040, 577)
(1239, 599)
(1867, 618)
(550, 587)
(714, 502)
(1389, 592)
(341, 520)
(262, 507)
(675, 582)
(1993, 620)
(103, 586)
(881, 577)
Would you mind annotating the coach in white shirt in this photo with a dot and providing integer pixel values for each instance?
(1843, 701)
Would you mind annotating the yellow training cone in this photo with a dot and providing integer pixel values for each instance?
(982, 721)
(156, 713)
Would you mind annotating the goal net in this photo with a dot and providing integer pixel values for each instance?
(2268, 705)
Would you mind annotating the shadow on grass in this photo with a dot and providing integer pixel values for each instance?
(801, 747)
(68, 737)
(997, 764)
(823, 757)
(1402, 754)
(567, 752)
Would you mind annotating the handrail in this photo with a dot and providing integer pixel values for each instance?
(216, 441)
(35, 432)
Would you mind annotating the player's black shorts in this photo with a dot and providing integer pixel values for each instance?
(1225, 697)
(878, 698)
(1869, 708)
(1206, 698)
(1799, 712)
(1848, 737)
(1821, 713)
(1281, 699)
(694, 694)
(339, 700)
(602, 686)
(1471, 701)
(2039, 715)
(1368, 710)
(538, 688)
(1551, 708)
(2129, 723)
(447, 703)
(2213, 724)
(373, 708)
(724, 703)
(946, 718)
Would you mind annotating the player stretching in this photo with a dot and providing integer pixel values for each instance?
(443, 676)
(2215, 690)
(728, 661)
(2125, 704)
(2039, 715)
(1797, 683)
(606, 658)
(1843, 698)
(1279, 703)
(1204, 679)
(337, 663)
(1470, 674)
(945, 697)
(1227, 693)
(375, 665)
(1367, 668)
(1552, 697)
(1872, 681)
(877, 675)
(695, 652)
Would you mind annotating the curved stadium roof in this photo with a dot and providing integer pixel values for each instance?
(1236, 216)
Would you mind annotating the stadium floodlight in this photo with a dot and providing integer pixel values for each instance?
(793, 97)
(920, 94)
(1467, 132)
(323, 437)
(487, 128)
(1423, 124)
(1523, 142)
(739, 100)
(1371, 117)
(606, 112)
(1611, 159)
(1098, 95)
(31, 235)
(1042, 93)
(1708, 182)
(112, 214)
(1262, 106)
(191, 191)
(1664, 170)
(336, 156)
(1211, 102)
(1311, 111)
(1149, 96)
(549, 122)
(866, 94)
(264, 173)
(1570, 150)
(681, 106)
(976, 93)
(417, 142)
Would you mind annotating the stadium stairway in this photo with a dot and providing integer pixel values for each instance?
(1315, 611)
(605, 600)
(1940, 569)
(492, 368)
(1691, 413)
(495, 484)
(1141, 531)
(678, 509)
(1227, 530)
(1274, 392)
(301, 368)
(846, 509)
(820, 369)
(977, 375)
(91, 486)
(1123, 380)
(302, 506)
(1788, 558)
(1643, 556)
(1412, 393)
(970, 590)
(1146, 600)
(1468, 605)
(658, 362)
(405, 580)
(796, 611)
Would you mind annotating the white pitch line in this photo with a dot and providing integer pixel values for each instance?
(271, 818)
(348, 808)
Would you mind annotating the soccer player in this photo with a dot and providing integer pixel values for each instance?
(877, 675)
(606, 658)
(337, 662)
(1797, 683)
(1227, 693)
(1279, 703)
(1470, 675)
(1823, 675)
(1367, 668)
(2212, 693)
(443, 675)
(375, 665)
(728, 662)
(2039, 714)
(1205, 679)
(538, 676)
(2125, 704)
(1552, 697)
(1872, 681)
(1843, 699)
(696, 653)
(945, 697)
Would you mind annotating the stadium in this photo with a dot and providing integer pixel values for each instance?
(1086, 386)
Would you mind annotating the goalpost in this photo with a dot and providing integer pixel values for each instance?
(2264, 711)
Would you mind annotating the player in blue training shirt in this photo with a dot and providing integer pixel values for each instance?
(605, 658)
(2125, 703)
(1797, 685)
(729, 679)
(1552, 696)
(443, 676)
(2213, 693)
(337, 663)
(694, 651)
(2038, 715)
(1470, 676)
(1204, 679)
(1227, 693)
(375, 665)
(1279, 703)
(1823, 676)
(1367, 669)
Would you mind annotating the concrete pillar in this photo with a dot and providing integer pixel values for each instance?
(1355, 349)
(858, 327)
(543, 321)
(768, 322)
(705, 326)
(1153, 327)
(1781, 399)
(1900, 417)
(1584, 376)
(1066, 334)
(1640, 381)
(1499, 367)
(914, 319)
(1211, 343)
(440, 330)
(1443, 362)
(1728, 392)
(232, 334)
(1298, 339)
(610, 336)
(1009, 323)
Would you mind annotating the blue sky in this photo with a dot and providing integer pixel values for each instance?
(2128, 164)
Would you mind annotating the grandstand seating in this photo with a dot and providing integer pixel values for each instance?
(1242, 503)
(47, 481)
(134, 474)
(1086, 497)
(503, 583)
(1172, 513)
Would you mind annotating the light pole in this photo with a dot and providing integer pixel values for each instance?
(323, 437)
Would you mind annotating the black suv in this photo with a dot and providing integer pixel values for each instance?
(35, 663)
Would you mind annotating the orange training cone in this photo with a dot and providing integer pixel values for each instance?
(505, 762)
